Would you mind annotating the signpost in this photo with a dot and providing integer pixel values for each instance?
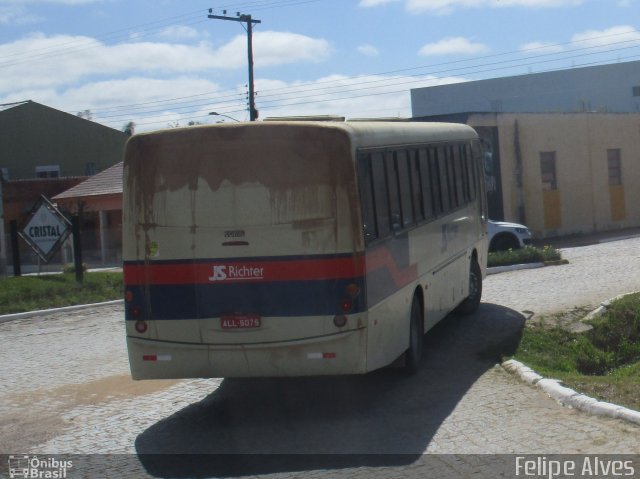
(46, 229)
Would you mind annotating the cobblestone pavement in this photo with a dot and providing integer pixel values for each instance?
(67, 390)
(594, 274)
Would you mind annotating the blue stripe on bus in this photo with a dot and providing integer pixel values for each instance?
(199, 301)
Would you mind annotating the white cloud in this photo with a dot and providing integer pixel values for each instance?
(364, 96)
(279, 48)
(272, 49)
(73, 58)
(453, 46)
(447, 6)
(604, 38)
(180, 32)
(353, 97)
(375, 3)
(368, 50)
(16, 15)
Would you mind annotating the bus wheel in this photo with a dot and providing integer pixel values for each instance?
(413, 355)
(471, 302)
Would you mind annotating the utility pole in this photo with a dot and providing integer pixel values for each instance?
(253, 113)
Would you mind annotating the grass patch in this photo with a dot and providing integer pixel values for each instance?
(29, 293)
(603, 363)
(526, 254)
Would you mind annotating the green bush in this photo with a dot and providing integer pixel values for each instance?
(612, 344)
(527, 254)
(617, 332)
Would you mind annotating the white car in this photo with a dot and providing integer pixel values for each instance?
(504, 235)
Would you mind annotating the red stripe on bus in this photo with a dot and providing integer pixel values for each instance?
(206, 272)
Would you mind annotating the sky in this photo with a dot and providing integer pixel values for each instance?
(164, 63)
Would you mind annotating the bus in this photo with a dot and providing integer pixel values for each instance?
(298, 248)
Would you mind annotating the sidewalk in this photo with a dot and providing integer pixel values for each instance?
(572, 241)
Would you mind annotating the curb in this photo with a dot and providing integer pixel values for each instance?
(514, 267)
(618, 238)
(600, 310)
(11, 317)
(568, 397)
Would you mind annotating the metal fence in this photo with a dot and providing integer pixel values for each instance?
(97, 251)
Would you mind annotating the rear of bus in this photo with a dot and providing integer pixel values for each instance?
(243, 252)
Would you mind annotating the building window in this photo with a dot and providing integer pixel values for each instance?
(615, 167)
(5, 173)
(548, 170)
(636, 91)
(90, 169)
(49, 171)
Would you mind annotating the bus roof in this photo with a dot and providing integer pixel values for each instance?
(363, 134)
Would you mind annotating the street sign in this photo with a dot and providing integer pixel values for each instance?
(46, 229)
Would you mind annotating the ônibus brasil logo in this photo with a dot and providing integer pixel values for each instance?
(236, 273)
(35, 467)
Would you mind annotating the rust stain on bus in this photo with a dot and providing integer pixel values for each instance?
(313, 155)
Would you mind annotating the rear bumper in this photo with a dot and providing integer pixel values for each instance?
(343, 353)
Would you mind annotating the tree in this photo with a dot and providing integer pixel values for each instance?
(129, 128)
(86, 114)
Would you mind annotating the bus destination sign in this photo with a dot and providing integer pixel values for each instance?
(46, 229)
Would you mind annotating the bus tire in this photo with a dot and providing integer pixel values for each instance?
(413, 355)
(472, 302)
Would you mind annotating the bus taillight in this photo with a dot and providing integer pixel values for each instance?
(346, 305)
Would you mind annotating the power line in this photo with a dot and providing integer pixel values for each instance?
(142, 31)
(327, 84)
(296, 102)
(319, 93)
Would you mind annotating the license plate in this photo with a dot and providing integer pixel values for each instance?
(240, 321)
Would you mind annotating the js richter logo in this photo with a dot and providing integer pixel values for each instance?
(34, 467)
(236, 273)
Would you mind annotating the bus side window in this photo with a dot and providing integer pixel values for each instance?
(394, 196)
(451, 177)
(416, 186)
(471, 172)
(459, 178)
(443, 177)
(404, 183)
(434, 179)
(365, 181)
(424, 169)
(380, 195)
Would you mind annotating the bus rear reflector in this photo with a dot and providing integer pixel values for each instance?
(141, 326)
(340, 321)
(156, 357)
(321, 355)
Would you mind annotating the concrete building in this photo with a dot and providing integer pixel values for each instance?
(603, 88)
(47, 151)
(568, 173)
(37, 141)
(99, 199)
(564, 159)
